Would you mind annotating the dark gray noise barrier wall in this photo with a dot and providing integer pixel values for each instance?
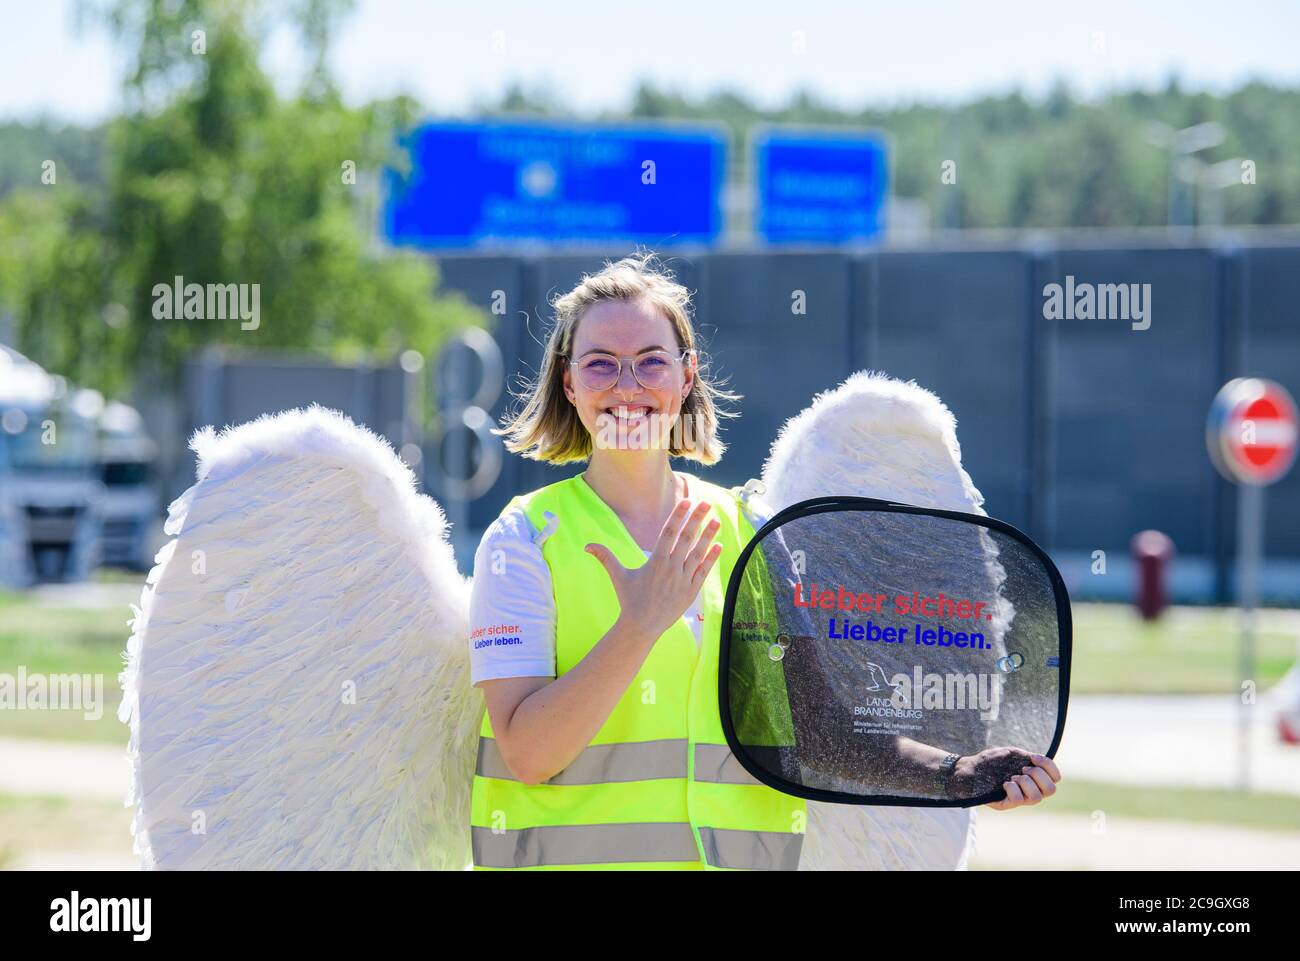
(1081, 432)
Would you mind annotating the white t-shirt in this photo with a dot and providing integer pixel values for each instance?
(512, 606)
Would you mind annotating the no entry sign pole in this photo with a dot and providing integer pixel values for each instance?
(1250, 524)
(1251, 435)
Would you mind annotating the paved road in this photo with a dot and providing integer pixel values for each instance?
(1174, 741)
(66, 768)
(1035, 839)
(111, 596)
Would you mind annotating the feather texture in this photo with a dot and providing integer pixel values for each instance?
(876, 436)
(297, 680)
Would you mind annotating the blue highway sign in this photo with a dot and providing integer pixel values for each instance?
(504, 182)
(820, 186)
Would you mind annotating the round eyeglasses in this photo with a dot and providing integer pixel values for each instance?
(600, 371)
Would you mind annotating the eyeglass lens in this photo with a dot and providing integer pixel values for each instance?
(601, 371)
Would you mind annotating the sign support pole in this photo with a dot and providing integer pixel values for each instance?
(1251, 435)
(1250, 530)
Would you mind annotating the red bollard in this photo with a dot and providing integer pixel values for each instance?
(1152, 552)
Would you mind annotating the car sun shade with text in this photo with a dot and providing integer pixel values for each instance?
(864, 640)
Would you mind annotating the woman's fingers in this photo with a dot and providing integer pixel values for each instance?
(607, 560)
(1046, 786)
(690, 528)
(668, 533)
(701, 572)
(702, 545)
(1028, 788)
(1014, 794)
(1048, 765)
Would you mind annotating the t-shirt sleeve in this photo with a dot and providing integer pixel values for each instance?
(512, 608)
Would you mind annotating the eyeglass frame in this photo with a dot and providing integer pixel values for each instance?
(618, 359)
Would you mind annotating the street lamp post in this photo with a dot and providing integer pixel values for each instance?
(1211, 180)
(1181, 144)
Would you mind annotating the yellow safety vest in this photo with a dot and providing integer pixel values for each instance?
(657, 788)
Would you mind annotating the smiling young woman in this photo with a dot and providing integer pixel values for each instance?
(602, 746)
(595, 620)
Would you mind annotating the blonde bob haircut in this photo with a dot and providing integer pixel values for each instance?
(547, 427)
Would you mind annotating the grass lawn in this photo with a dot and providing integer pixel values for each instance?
(29, 824)
(51, 640)
(1263, 811)
(1190, 650)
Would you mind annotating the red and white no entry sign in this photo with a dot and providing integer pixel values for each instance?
(1252, 431)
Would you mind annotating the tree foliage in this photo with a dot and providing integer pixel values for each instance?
(212, 177)
(1058, 162)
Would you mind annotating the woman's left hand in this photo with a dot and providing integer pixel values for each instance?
(1035, 782)
(1026, 778)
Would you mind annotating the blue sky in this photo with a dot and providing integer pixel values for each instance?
(592, 53)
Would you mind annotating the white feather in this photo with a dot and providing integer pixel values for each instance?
(297, 681)
(876, 436)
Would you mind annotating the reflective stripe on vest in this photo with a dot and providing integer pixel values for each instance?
(622, 843)
(629, 761)
(600, 763)
(716, 764)
(657, 786)
(771, 850)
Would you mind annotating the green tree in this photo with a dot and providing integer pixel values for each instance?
(214, 178)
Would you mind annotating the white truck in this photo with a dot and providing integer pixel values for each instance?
(76, 489)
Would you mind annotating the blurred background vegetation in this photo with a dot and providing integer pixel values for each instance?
(209, 175)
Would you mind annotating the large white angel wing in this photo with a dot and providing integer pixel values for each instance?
(297, 682)
(876, 436)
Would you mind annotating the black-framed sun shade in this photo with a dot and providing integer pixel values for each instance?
(864, 642)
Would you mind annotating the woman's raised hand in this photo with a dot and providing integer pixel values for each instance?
(653, 596)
